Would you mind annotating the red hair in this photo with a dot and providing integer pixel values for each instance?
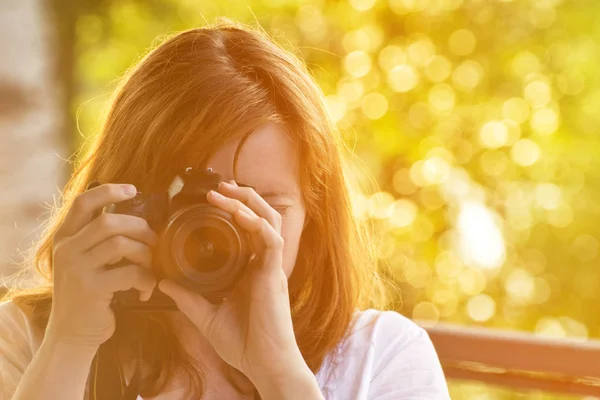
(174, 109)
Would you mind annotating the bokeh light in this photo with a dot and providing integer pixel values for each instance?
(403, 78)
(357, 63)
(467, 75)
(481, 307)
(525, 152)
(462, 42)
(481, 240)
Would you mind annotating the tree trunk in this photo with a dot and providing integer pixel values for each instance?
(33, 148)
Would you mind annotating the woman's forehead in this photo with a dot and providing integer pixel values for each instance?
(268, 160)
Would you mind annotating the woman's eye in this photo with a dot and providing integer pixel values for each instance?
(281, 209)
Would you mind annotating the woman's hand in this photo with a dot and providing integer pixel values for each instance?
(252, 329)
(82, 247)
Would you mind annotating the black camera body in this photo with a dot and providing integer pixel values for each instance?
(200, 247)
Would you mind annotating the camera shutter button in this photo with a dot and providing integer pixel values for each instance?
(138, 200)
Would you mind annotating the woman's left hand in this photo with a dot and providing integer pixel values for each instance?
(252, 329)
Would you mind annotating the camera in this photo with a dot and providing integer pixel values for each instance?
(200, 247)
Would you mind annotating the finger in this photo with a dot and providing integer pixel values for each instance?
(128, 277)
(254, 201)
(228, 204)
(115, 249)
(85, 204)
(108, 225)
(272, 241)
(243, 286)
(199, 310)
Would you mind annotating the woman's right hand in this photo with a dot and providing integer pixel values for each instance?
(82, 247)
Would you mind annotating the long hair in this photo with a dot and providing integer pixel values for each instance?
(185, 98)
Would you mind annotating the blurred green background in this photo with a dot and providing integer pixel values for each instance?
(478, 118)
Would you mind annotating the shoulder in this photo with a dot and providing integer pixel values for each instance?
(384, 325)
(386, 334)
(11, 315)
(19, 341)
(392, 354)
(15, 327)
(18, 336)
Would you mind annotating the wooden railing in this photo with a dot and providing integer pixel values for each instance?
(518, 360)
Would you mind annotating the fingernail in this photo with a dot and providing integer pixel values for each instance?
(225, 184)
(164, 286)
(217, 194)
(129, 190)
(145, 295)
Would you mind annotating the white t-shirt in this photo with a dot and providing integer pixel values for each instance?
(386, 356)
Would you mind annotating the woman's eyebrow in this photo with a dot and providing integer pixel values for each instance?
(270, 193)
(276, 194)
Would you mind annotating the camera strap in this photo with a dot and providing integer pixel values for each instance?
(108, 379)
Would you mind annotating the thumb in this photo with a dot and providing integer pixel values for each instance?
(199, 310)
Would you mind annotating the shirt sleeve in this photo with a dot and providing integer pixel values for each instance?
(15, 348)
(406, 365)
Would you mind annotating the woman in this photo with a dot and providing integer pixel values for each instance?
(225, 97)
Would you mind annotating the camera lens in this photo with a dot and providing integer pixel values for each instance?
(203, 249)
(206, 249)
